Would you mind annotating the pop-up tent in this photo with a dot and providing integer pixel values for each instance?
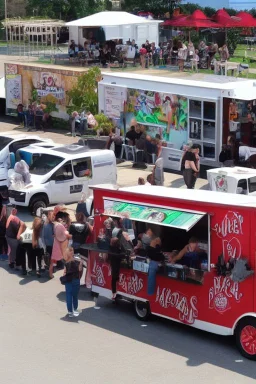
(116, 25)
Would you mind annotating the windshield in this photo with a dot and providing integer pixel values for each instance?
(4, 141)
(252, 184)
(43, 163)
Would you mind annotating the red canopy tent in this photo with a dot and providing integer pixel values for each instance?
(246, 20)
(197, 20)
(225, 20)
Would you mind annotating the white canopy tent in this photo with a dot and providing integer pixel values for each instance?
(116, 25)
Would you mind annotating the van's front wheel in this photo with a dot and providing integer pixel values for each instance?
(36, 204)
(246, 337)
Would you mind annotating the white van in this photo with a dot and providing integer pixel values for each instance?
(60, 174)
(10, 142)
(239, 180)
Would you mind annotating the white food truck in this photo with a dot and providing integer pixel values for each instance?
(183, 108)
(232, 180)
(11, 142)
(60, 175)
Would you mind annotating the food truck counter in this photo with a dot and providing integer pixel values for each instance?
(141, 264)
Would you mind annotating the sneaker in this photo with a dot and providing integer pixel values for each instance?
(76, 313)
(31, 273)
(78, 310)
(70, 314)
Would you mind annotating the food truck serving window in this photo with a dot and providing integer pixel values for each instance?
(170, 217)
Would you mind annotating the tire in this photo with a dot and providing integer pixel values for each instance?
(142, 310)
(245, 334)
(36, 204)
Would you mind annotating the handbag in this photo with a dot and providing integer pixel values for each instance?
(66, 278)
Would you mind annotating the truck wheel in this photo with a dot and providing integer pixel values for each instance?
(246, 337)
(142, 310)
(36, 204)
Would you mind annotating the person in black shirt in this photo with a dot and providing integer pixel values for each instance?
(115, 255)
(131, 136)
(79, 231)
(190, 166)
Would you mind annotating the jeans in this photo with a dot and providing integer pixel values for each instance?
(72, 290)
(153, 267)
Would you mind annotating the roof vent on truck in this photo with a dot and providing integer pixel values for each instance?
(73, 148)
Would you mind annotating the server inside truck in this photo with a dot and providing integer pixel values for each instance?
(174, 241)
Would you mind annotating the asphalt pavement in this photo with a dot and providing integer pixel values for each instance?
(106, 344)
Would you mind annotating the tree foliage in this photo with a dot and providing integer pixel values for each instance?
(84, 95)
(66, 9)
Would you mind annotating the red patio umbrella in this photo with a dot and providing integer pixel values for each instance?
(246, 20)
(223, 18)
(197, 20)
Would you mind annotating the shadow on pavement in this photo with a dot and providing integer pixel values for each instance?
(24, 279)
(196, 346)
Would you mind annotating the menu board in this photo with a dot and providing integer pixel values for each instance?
(169, 217)
(114, 100)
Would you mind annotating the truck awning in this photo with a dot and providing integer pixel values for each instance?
(169, 217)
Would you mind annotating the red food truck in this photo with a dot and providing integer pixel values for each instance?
(211, 287)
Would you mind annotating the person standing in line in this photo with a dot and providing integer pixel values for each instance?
(37, 253)
(14, 228)
(72, 270)
(79, 230)
(3, 243)
(191, 166)
(48, 235)
(61, 237)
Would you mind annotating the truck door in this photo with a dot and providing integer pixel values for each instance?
(61, 185)
(83, 176)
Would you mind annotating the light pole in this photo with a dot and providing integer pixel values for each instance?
(6, 26)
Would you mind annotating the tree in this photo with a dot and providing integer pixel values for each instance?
(209, 11)
(84, 95)
(65, 9)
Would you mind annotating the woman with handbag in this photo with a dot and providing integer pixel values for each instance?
(71, 279)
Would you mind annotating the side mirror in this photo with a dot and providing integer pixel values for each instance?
(12, 160)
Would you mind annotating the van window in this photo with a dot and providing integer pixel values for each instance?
(242, 187)
(4, 141)
(21, 144)
(83, 167)
(63, 173)
(43, 163)
(252, 184)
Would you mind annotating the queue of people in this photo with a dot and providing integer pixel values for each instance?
(41, 250)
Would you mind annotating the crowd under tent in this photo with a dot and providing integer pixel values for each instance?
(116, 25)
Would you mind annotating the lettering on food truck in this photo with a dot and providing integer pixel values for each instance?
(131, 284)
(98, 274)
(231, 224)
(185, 306)
(223, 290)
